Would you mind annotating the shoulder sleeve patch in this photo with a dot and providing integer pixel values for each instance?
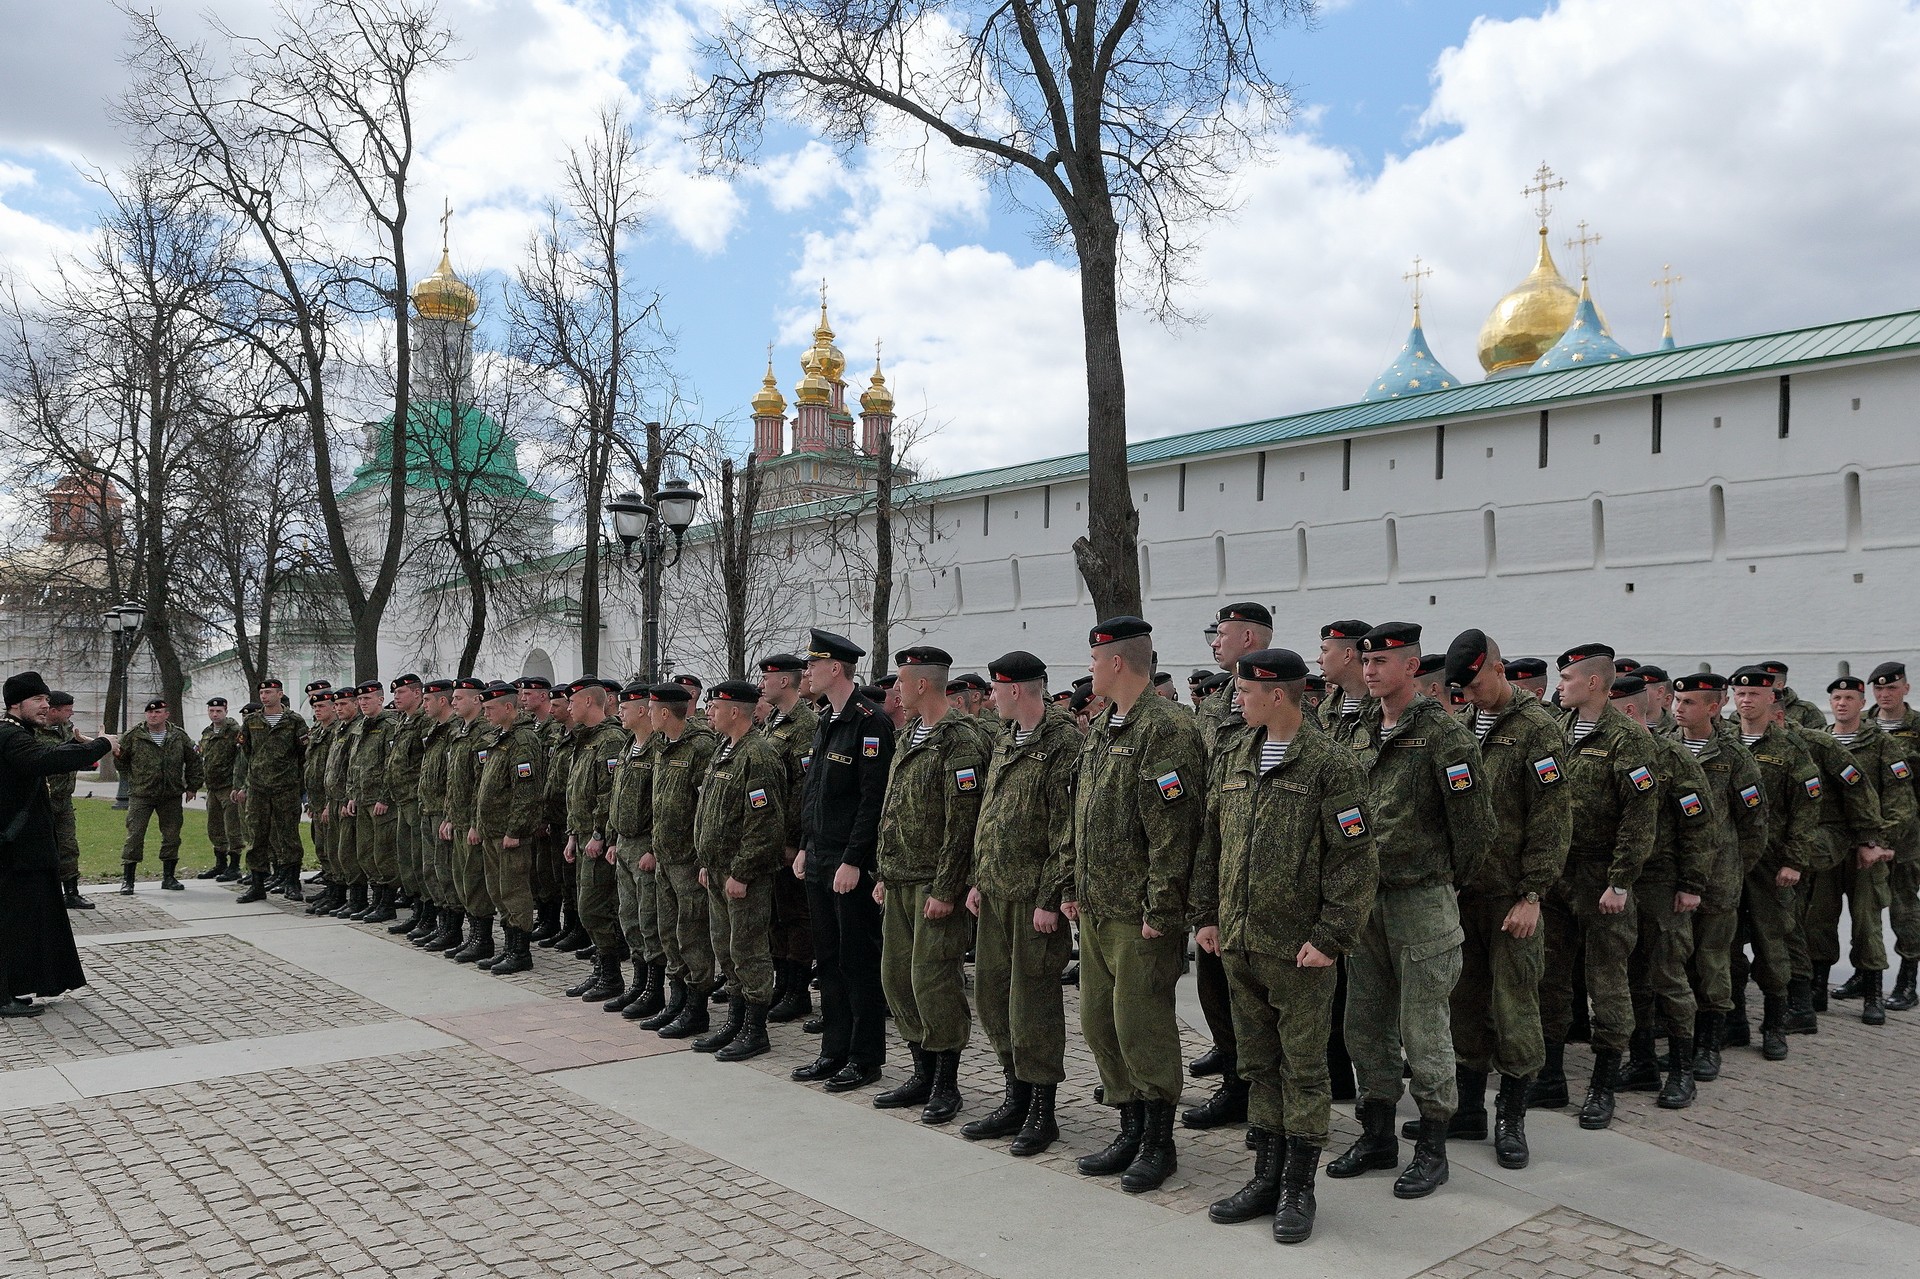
(1460, 776)
(1750, 796)
(1850, 775)
(965, 780)
(1171, 787)
(1813, 787)
(1690, 805)
(1352, 824)
(1900, 769)
(1642, 778)
(1547, 769)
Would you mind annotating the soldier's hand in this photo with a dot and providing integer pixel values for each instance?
(703, 877)
(379, 809)
(736, 891)
(1310, 956)
(351, 808)
(594, 847)
(1522, 921)
(973, 902)
(1071, 910)
(937, 909)
(1787, 877)
(567, 852)
(1612, 903)
(879, 891)
(1148, 931)
(611, 854)
(1873, 855)
(509, 841)
(446, 830)
(1685, 903)
(1046, 921)
(799, 863)
(846, 879)
(237, 797)
(1208, 939)
(647, 862)
(473, 836)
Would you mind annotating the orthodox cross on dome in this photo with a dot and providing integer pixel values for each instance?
(1544, 183)
(1581, 246)
(446, 218)
(1665, 284)
(1420, 272)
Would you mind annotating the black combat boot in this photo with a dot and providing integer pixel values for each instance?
(1903, 996)
(232, 872)
(1005, 1119)
(381, 912)
(1428, 1171)
(219, 864)
(1228, 1105)
(1596, 1112)
(1738, 1030)
(546, 916)
(1852, 988)
(479, 946)
(1157, 1160)
(1817, 987)
(1873, 1011)
(411, 924)
(1678, 1092)
(1469, 1122)
(356, 904)
(1215, 1061)
(1262, 1192)
(1642, 1072)
(1773, 1033)
(608, 982)
(652, 996)
(795, 1002)
(692, 1019)
(1707, 1029)
(1040, 1130)
(426, 922)
(518, 957)
(752, 1040)
(1548, 1091)
(670, 1007)
(1800, 1015)
(728, 1030)
(912, 1091)
(628, 992)
(70, 895)
(1377, 1148)
(126, 887)
(943, 1100)
(587, 982)
(446, 931)
(1510, 1123)
(168, 880)
(722, 992)
(291, 889)
(256, 888)
(1120, 1152)
(326, 900)
(1293, 1215)
(572, 935)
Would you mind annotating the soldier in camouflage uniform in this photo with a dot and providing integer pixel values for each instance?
(789, 724)
(314, 785)
(740, 838)
(465, 744)
(1901, 722)
(346, 722)
(219, 748)
(925, 860)
(162, 769)
(1739, 838)
(554, 880)
(57, 731)
(596, 745)
(630, 818)
(1022, 865)
(509, 807)
(1347, 697)
(1432, 824)
(430, 792)
(1861, 877)
(1139, 809)
(682, 752)
(404, 749)
(267, 776)
(372, 803)
(1283, 881)
(1496, 1003)
(1797, 709)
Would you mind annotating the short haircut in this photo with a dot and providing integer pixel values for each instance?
(1135, 653)
(594, 694)
(1598, 664)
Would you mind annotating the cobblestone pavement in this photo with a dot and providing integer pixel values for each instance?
(1563, 1244)
(170, 992)
(439, 1165)
(117, 914)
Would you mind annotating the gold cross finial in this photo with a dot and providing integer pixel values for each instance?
(446, 218)
(1665, 284)
(876, 355)
(1544, 184)
(1581, 246)
(1419, 273)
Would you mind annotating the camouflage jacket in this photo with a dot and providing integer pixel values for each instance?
(1616, 797)
(1737, 813)
(1849, 804)
(272, 756)
(406, 751)
(510, 798)
(314, 771)
(1800, 711)
(1886, 769)
(1138, 810)
(932, 806)
(1905, 746)
(1348, 730)
(1221, 723)
(435, 740)
(1683, 851)
(219, 750)
(630, 811)
(1790, 783)
(59, 785)
(595, 754)
(793, 738)
(465, 740)
(679, 766)
(1523, 754)
(740, 825)
(155, 770)
(1288, 855)
(339, 756)
(370, 740)
(1433, 819)
(558, 740)
(1023, 846)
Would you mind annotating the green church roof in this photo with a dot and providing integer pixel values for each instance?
(479, 455)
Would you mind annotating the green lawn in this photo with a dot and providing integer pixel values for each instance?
(103, 832)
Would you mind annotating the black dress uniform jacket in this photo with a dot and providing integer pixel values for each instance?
(846, 783)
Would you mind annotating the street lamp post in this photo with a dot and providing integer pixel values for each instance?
(643, 525)
(123, 628)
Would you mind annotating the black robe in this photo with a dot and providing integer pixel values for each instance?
(37, 954)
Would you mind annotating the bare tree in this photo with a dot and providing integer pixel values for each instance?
(1129, 116)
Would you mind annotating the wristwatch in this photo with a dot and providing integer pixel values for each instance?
(1531, 899)
(1615, 888)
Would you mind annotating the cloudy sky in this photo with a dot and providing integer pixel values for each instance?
(1763, 147)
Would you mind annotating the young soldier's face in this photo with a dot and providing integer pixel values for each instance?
(1694, 712)
(1846, 703)
(1890, 697)
(1752, 703)
(1389, 673)
(465, 702)
(215, 714)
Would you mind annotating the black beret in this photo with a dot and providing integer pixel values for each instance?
(1080, 698)
(635, 692)
(1625, 666)
(1348, 630)
(409, 680)
(1199, 675)
(61, 697)
(873, 693)
(495, 690)
(825, 645)
(157, 704)
(1432, 664)
(958, 686)
(473, 682)
(1888, 673)
(320, 698)
(559, 693)
(211, 701)
(973, 680)
(438, 686)
(1751, 677)
(1064, 695)
(270, 682)
(1316, 684)
(251, 707)
(1527, 668)
(1465, 656)
(1271, 666)
(313, 686)
(1700, 682)
(1162, 677)
(1115, 629)
(782, 663)
(1584, 652)
(1773, 666)
(1255, 613)
(1627, 686)
(688, 681)
(923, 655)
(734, 690)
(1085, 681)
(526, 682)
(1390, 635)
(1215, 682)
(1848, 683)
(1017, 667)
(370, 686)
(670, 694)
(886, 681)
(1654, 674)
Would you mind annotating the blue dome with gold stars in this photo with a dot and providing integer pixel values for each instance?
(1413, 372)
(1586, 340)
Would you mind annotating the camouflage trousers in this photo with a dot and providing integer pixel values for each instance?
(1866, 893)
(792, 925)
(639, 907)
(1016, 982)
(597, 886)
(1657, 970)
(409, 853)
(470, 877)
(273, 830)
(66, 838)
(1903, 907)
(321, 833)
(373, 844)
(140, 812)
(508, 882)
(1400, 980)
(223, 821)
(548, 866)
(1496, 1003)
(1575, 923)
(1766, 925)
(739, 931)
(685, 936)
(1711, 968)
(923, 969)
(436, 862)
(1126, 1008)
(1282, 1017)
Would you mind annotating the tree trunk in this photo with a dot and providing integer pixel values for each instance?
(882, 656)
(599, 460)
(476, 615)
(1108, 556)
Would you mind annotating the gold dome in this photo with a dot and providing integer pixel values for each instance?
(832, 364)
(768, 401)
(1525, 324)
(444, 295)
(877, 398)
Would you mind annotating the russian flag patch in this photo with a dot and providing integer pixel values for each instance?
(523, 770)
(1813, 787)
(965, 779)
(805, 762)
(613, 765)
(1690, 805)
(870, 747)
(1459, 777)
(1850, 775)
(1642, 778)
(1170, 786)
(756, 798)
(1901, 769)
(1352, 825)
(1547, 770)
(482, 755)
(1750, 796)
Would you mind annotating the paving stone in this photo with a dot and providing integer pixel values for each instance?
(1565, 1240)
(117, 914)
